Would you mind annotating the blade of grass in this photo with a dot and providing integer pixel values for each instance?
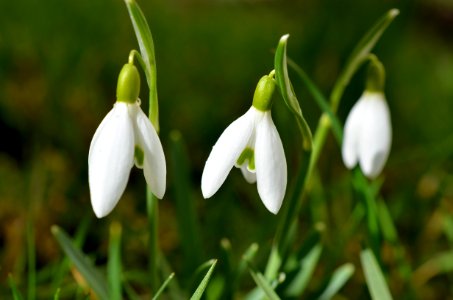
(439, 264)
(31, 259)
(262, 283)
(56, 296)
(338, 280)
(204, 283)
(85, 267)
(16, 294)
(306, 269)
(373, 275)
(114, 261)
(163, 286)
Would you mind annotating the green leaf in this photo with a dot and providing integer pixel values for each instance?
(373, 275)
(204, 283)
(163, 286)
(114, 261)
(306, 269)
(146, 44)
(439, 264)
(262, 282)
(56, 296)
(385, 219)
(320, 99)
(85, 267)
(16, 294)
(359, 55)
(287, 91)
(338, 280)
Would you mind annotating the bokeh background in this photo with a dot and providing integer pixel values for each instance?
(59, 62)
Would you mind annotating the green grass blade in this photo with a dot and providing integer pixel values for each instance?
(262, 283)
(373, 275)
(163, 286)
(16, 294)
(56, 296)
(338, 280)
(85, 267)
(320, 100)
(307, 267)
(146, 44)
(439, 264)
(359, 55)
(287, 91)
(31, 260)
(204, 283)
(189, 229)
(114, 262)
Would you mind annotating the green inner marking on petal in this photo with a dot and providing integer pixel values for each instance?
(139, 156)
(248, 155)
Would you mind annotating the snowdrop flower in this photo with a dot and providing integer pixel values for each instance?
(124, 136)
(368, 130)
(252, 144)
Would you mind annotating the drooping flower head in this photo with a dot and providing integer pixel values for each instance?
(252, 144)
(124, 136)
(368, 130)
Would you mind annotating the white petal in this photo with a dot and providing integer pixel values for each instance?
(270, 163)
(375, 135)
(110, 159)
(249, 176)
(226, 151)
(154, 166)
(351, 136)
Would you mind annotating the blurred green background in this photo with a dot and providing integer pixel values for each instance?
(59, 62)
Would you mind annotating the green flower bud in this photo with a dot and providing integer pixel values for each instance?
(128, 88)
(375, 76)
(262, 99)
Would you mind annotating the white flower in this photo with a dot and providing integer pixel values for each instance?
(253, 144)
(125, 133)
(368, 134)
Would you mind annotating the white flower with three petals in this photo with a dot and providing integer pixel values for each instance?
(124, 134)
(368, 134)
(253, 144)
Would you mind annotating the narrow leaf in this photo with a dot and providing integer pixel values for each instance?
(360, 54)
(163, 286)
(338, 280)
(307, 267)
(146, 44)
(262, 282)
(16, 294)
(320, 100)
(439, 264)
(56, 296)
(114, 261)
(287, 91)
(373, 275)
(204, 283)
(85, 267)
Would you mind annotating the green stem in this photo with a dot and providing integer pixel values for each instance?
(152, 212)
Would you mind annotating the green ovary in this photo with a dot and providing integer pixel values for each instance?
(248, 155)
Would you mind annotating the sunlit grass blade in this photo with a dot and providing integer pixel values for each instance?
(163, 286)
(359, 55)
(146, 44)
(85, 267)
(114, 262)
(12, 285)
(78, 240)
(306, 269)
(56, 296)
(262, 283)
(204, 283)
(320, 100)
(438, 264)
(373, 275)
(338, 280)
(188, 226)
(287, 91)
